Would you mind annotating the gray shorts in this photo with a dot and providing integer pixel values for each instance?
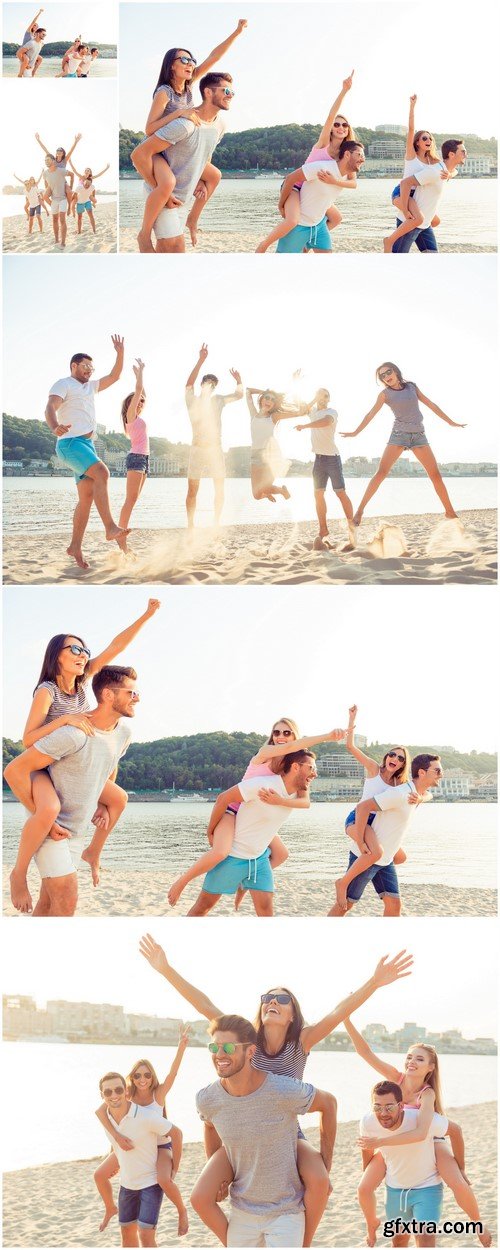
(408, 441)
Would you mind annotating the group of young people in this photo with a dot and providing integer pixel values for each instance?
(175, 163)
(76, 62)
(58, 197)
(257, 1153)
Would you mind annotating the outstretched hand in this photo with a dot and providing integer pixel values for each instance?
(138, 368)
(347, 83)
(242, 25)
(237, 376)
(154, 954)
(389, 970)
(153, 605)
(203, 352)
(118, 343)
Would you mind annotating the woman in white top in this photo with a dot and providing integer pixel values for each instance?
(87, 173)
(72, 59)
(393, 771)
(420, 151)
(266, 459)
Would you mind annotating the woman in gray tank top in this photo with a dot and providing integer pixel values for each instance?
(407, 433)
(60, 699)
(283, 1046)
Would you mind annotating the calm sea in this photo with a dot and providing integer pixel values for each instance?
(467, 210)
(452, 844)
(47, 504)
(13, 205)
(59, 1098)
(51, 65)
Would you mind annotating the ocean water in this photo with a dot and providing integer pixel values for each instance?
(102, 68)
(449, 844)
(13, 205)
(467, 209)
(47, 504)
(60, 1097)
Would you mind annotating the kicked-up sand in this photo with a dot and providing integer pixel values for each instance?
(16, 238)
(57, 1204)
(128, 893)
(244, 241)
(403, 550)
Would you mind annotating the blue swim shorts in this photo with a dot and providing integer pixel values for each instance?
(80, 208)
(140, 1206)
(252, 874)
(424, 1205)
(308, 238)
(351, 818)
(384, 880)
(78, 454)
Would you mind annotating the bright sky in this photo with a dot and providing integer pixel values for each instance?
(113, 970)
(57, 121)
(96, 22)
(298, 651)
(338, 330)
(290, 62)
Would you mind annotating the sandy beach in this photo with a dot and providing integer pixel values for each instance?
(16, 238)
(125, 893)
(241, 241)
(403, 550)
(56, 1205)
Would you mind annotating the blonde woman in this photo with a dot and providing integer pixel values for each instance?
(420, 1085)
(136, 430)
(421, 150)
(266, 458)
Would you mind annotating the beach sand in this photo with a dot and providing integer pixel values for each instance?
(16, 238)
(127, 893)
(403, 550)
(241, 241)
(57, 1205)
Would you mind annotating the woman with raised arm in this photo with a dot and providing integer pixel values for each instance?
(420, 1085)
(267, 461)
(84, 178)
(407, 433)
(284, 1045)
(137, 431)
(420, 151)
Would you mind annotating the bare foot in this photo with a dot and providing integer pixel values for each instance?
(319, 544)
(183, 1223)
(76, 554)
(485, 1237)
(108, 1215)
(117, 535)
(285, 492)
(357, 518)
(238, 898)
(94, 865)
(387, 248)
(341, 893)
(193, 230)
(144, 241)
(371, 1236)
(451, 516)
(175, 892)
(57, 833)
(19, 892)
(261, 248)
(352, 532)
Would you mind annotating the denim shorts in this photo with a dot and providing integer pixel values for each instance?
(136, 460)
(328, 469)
(78, 454)
(252, 874)
(36, 211)
(384, 879)
(140, 1206)
(351, 818)
(424, 1205)
(408, 441)
(307, 237)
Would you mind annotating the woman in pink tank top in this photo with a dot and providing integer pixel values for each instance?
(421, 1089)
(137, 431)
(283, 739)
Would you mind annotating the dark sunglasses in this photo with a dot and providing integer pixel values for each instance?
(186, 60)
(396, 756)
(119, 1089)
(386, 373)
(340, 125)
(75, 650)
(285, 733)
(138, 1076)
(282, 999)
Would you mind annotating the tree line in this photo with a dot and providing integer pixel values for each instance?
(106, 50)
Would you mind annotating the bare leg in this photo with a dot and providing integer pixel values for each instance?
(336, 910)
(81, 515)
(99, 476)
(333, 217)
(102, 1178)
(263, 902)
(450, 1173)
(171, 1190)
(79, 223)
(58, 896)
(389, 457)
(412, 223)
(55, 226)
(363, 861)
(164, 184)
(135, 483)
(367, 1195)
(211, 177)
(219, 850)
(35, 831)
(115, 799)
(317, 1186)
(288, 223)
(428, 460)
(130, 1235)
(91, 218)
(392, 904)
(62, 229)
(320, 501)
(218, 499)
(217, 1172)
(192, 493)
(204, 903)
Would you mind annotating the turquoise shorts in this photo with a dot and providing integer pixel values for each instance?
(77, 454)
(424, 1205)
(308, 238)
(252, 874)
(80, 208)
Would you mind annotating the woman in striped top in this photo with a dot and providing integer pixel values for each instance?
(60, 699)
(284, 1044)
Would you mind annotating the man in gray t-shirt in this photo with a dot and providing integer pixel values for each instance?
(188, 148)
(253, 1114)
(80, 763)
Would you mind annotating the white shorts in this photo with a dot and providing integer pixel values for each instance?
(170, 223)
(57, 859)
(206, 462)
(58, 206)
(265, 1230)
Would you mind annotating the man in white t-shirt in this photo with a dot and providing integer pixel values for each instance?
(414, 1190)
(261, 806)
(140, 1196)
(206, 455)
(320, 184)
(394, 810)
(327, 464)
(429, 185)
(70, 414)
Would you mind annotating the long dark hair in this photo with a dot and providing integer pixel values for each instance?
(50, 663)
(294, 1029)
(167, 65)
(389, 364)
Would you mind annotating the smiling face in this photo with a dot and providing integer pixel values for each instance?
(282, 733)
(114, 1093)
(394, 760)
(69, 665)
(387, 1110)
(82, 370)
(418, 1064)
(303, 774)
(275, 1012)
(184, 65)
(122, 699)
(340, 129)
(142, 1078)
(220, 96)
(229, 1065)
(424, 143)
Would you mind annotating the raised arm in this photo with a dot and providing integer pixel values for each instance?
(270, 752)
(202, 356)
(324, 137)
(101, 172)
(410, 150)
(42, 145)
(385, 973)
(365, 1052)
(409, 1138)
(34, 23)
(366, 420)
(73, 146)
(370, 765)
(238, 392)
(122, 640)
(156, 956)
(75, 171)
(111, 378)
(218, 52)
(439, 411)
(53, 405)
(138, 370)
(166, 1085)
